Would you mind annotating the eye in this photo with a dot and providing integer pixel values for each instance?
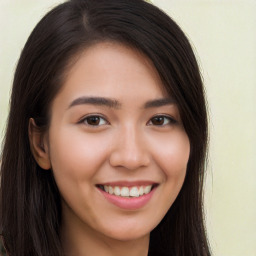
(94, 120)
(161, 120)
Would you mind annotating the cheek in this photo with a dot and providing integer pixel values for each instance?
(173, 154)
(76, 156)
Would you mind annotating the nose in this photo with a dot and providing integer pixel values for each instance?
(129, 150)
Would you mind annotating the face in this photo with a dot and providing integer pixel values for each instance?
(116, 144)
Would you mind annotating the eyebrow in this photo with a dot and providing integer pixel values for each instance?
(99, 101)
(160, 102)
(112, 103)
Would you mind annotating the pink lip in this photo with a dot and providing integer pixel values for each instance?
(128, 203)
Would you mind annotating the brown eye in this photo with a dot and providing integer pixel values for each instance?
(162, 120)
(94, 121)
(158, 120)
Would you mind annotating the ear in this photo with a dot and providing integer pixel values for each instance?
(39, 145)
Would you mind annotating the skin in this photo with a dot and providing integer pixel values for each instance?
(125, 143)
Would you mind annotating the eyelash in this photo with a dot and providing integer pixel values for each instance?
(85, 120)
(168, 120)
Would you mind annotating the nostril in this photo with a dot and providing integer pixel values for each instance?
(129, 160)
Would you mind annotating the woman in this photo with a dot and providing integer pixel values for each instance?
(106, 139)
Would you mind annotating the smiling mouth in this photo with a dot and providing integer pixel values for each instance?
(127, 192)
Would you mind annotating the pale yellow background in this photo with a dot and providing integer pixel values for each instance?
(223, 33)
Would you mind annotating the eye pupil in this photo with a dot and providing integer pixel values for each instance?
(158, 120)
(93, 120)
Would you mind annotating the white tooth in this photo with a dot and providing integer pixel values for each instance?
(141, 191)
(147, 189)
(134, 192)
(124, 191)
(106, 188)
(117, 191)
(110, 190)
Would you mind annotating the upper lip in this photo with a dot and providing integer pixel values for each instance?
(129, 183)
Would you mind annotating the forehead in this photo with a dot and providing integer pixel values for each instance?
(112, 70)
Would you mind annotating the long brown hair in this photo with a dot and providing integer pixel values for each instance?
(30, 214)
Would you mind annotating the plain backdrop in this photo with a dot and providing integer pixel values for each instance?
(223, 34)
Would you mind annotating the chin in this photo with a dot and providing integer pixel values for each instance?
(128, 237)
(128, 233)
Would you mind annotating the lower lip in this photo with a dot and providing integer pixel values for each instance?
(128, 203)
